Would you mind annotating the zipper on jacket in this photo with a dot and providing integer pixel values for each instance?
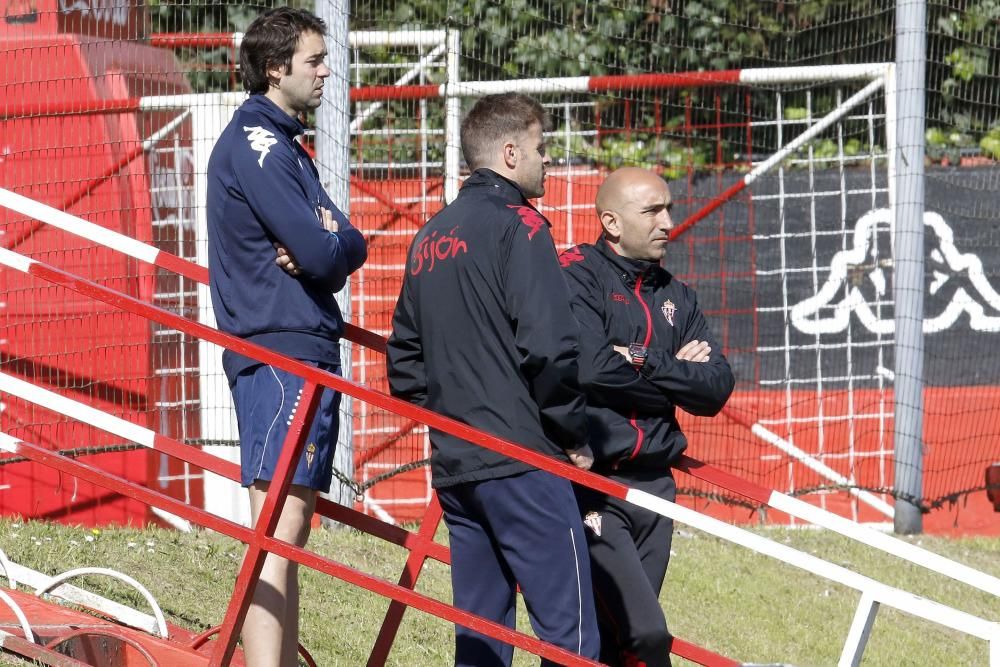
(639, 435)
(645, 308)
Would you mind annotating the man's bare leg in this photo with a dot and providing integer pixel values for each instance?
(271, 629)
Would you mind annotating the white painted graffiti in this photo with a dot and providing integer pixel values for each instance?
(105, 11)
(956, 278)
(171, 185)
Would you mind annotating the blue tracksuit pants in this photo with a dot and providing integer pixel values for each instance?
(519, 530)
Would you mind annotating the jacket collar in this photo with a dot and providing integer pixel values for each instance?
(630, 269)
(260, 103)
(506, 188)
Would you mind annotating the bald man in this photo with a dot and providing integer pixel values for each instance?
(645, 350)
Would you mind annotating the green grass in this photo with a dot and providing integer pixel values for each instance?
(723, 597)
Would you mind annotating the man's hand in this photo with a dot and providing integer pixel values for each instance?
(329, 223)
(582, 457)
(696, 351)
(286, 262)
(624, 352)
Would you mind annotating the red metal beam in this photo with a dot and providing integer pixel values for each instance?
(368, 454)
(69, 108)
(708, 208)
(719, 477)
(667, 80)
(37, 654)
(408, 579)
(194, 40)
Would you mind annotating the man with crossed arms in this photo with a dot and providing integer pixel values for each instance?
(645, 350)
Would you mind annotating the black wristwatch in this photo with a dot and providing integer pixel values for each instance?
(638, 353)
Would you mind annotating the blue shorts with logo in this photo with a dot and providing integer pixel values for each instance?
(266, 399)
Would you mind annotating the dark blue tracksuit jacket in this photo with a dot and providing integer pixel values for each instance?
(263, 187)
(483, 332)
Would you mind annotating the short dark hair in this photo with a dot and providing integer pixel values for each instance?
(271, 40)
(495, 118)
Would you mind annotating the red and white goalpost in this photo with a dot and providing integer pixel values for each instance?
(864, 97)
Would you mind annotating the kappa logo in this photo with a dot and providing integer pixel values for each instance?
(567, 257)
(261, 141)
(593, 521)
(860, 278)
(530, 217)
(310, 455)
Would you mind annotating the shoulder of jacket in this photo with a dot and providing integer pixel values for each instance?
(681, 289)
(585, 268)
(689, 292)
(523, 219)
(254, 137)
(582, 258)
(252, 118)
(498, 204)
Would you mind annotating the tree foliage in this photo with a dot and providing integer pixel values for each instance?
(540, 38)
(504, 39)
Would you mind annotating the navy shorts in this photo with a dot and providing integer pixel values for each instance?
(266, 399)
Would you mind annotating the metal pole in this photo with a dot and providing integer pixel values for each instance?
(333, 142)
(452, 121)
(908, 285)
(218, 417)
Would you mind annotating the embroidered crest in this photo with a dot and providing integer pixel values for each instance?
(310, 455)
(593, 521)
(260, 140)
(668, 309)
(529, 216)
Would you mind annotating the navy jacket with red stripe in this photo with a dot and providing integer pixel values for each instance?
(632, 414)
(483, 332)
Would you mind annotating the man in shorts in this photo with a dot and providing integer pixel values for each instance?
(264, 192)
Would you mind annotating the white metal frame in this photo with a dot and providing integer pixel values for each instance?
(880, 77)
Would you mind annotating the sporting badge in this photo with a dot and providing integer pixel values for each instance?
(668, 309)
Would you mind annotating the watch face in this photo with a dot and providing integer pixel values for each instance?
(638, 354)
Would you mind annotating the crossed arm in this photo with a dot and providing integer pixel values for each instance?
(284, 258)
(696, 350)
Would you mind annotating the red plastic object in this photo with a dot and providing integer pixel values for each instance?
(993, 485)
